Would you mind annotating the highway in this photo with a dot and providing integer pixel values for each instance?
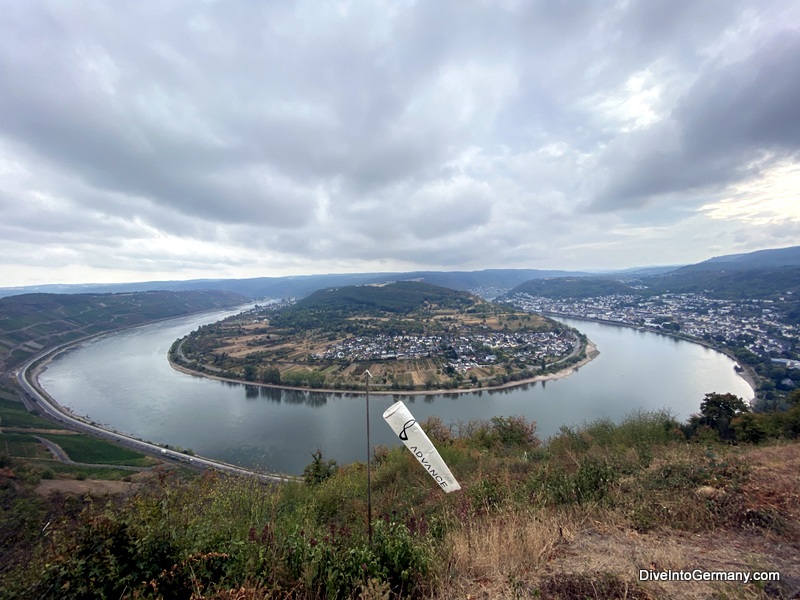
(39, 399)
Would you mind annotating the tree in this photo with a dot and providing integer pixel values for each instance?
(715, 407)
(718, 410)
(250, 372)
(271, 375)
(749, 428)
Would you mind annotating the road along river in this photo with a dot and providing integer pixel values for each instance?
(124, 381)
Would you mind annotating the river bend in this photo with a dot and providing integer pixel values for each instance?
(124, 380)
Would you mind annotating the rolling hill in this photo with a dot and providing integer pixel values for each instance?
(31, 323)
(573, 287)
(771, 258)
(398, 297)
(763, 274)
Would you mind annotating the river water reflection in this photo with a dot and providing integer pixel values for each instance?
(124, 380)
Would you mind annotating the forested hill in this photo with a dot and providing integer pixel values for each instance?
(773, 257)
(733, 284)
(401, 297)
(765, 282)
(765, 274)
(31, 323)
(573, 287)
(325, 308)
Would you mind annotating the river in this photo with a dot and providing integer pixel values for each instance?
(124, 381)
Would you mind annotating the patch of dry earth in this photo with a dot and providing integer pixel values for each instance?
(77, 487)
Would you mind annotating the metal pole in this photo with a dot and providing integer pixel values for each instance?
(367, 377)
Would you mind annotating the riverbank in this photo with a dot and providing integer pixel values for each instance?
(591, 353)
(37, 400)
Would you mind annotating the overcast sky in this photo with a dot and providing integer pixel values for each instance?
(183, 139)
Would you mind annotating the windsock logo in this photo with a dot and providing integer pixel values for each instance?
(409, 431)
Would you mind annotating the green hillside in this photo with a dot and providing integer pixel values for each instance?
(773, 257)
(740, 283)
(30, 323)
(576, 517)
(573, 287)
(399, 298)
(328, 308)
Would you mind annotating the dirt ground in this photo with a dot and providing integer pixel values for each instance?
(82, 487)
(96, 487)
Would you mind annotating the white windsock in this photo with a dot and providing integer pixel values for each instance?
(407, 429)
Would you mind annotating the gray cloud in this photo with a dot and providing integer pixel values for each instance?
(299, 135)
(735, 121)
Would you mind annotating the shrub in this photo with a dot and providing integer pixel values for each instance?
(515, 432)
(590, 482)
(103, 558)
(501, 433)
(436, 429)
(749, 428)
(318, 470)
(487, 495)
(332, 564)
(404, 561)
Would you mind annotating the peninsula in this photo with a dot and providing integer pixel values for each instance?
(412, 336)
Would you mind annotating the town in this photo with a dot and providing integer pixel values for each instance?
(465, 351)
(754, 324)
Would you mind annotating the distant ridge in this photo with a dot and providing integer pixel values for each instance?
(760, 274)
(300, 286)
(736, 282)
(777, 257)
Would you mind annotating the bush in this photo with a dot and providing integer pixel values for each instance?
(436, 429)
(487, 495)
(332, 564)
(104, 559)
(501, 433)
(590, 482)
(749, 428)
(318, 470)
(515, 432)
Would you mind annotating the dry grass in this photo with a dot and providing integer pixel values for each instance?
(575, 555)
(497, 547)
(597, 552)
(774, 485)
(510, 556)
